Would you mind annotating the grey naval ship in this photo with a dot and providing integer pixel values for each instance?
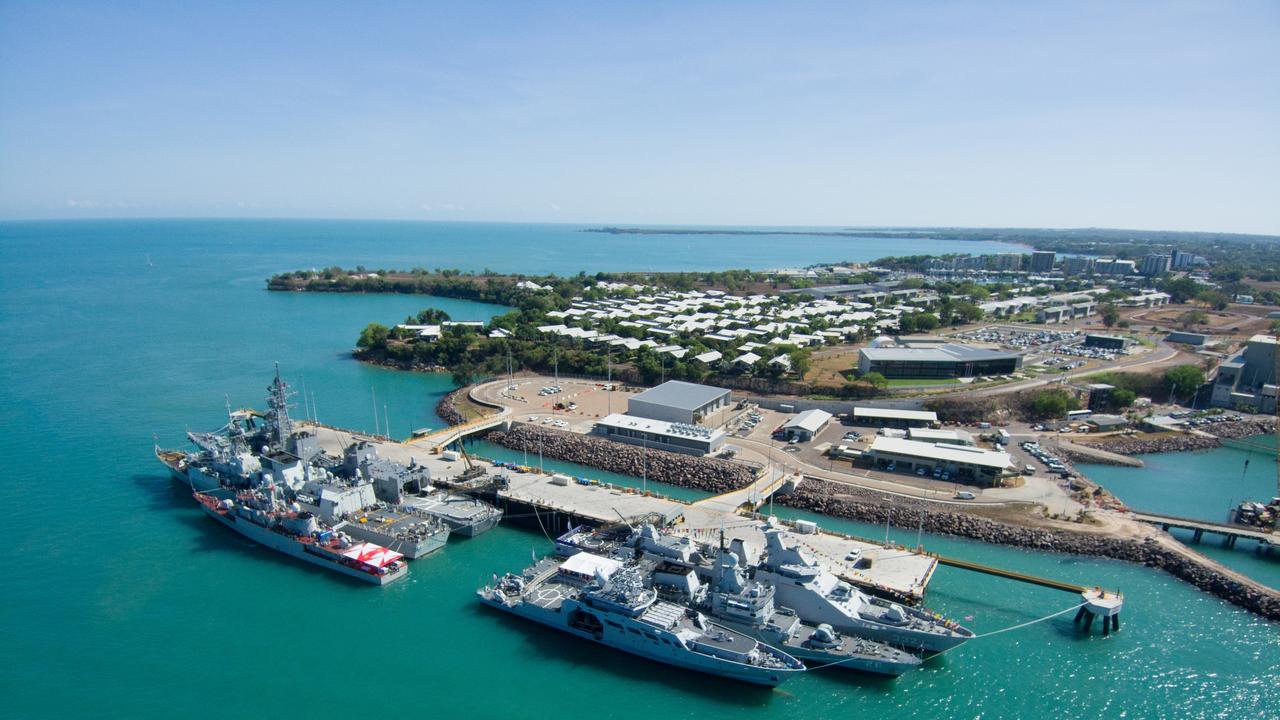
(409, 488)
(261, 516)
(605, 600)
(819, 597)
(362, 495)
(746, 605)
(800, 584)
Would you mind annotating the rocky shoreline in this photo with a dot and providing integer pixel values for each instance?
(447, 408)
(841, 501)
(1165, 442)
(706, 474)
(1246, 428)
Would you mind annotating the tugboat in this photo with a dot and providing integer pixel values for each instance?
(606, 601)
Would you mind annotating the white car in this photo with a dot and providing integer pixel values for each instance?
(965, 495)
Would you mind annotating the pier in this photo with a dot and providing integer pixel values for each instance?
(554, 504)
(1231, 532)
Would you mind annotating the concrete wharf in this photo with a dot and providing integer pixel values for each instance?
(554, 505)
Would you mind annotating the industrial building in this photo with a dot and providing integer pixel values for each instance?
(939, 361)
(676, 401)
(1099, 396)
(661, 435)
(806, 425)
(964, 464)
(1107, 423)
(1248, 380)
(941, 436)
(1106, 342)
(1188, 338)
(893, 417)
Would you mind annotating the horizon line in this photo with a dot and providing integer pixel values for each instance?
(699, 225)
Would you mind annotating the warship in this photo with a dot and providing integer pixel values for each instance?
(605, 600)
(261, 516)
(819, 597)
(746, 605)
(353, 508)
(234, 455)
(408, 488)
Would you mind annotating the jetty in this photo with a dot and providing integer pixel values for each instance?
(1232, 532)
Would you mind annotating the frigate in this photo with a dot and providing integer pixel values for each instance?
(261, 515)
(819, 597)
(605, 600)
(747, 605)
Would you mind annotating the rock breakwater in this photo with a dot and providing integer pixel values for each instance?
(1245, 428)
(837, 500)
(706, 474)
(447, 408)
(1155, 443)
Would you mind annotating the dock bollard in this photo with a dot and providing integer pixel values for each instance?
(1098, 602)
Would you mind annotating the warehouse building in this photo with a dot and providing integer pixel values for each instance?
(892, 417)
(940, 361)
(806, 425)
(964, 464)
(661, 435)
(1106, 342)
(676, 401)
(1188, 338)
(941, 436)
(1248, 380)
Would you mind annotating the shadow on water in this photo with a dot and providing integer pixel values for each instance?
(555, 646)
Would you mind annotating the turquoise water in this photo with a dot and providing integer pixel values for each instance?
(1203, 485)
(122, 600)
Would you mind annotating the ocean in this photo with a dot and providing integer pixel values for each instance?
(123, 600)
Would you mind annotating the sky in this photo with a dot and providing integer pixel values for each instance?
(1073, 114)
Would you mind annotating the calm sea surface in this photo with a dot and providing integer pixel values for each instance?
(122, 600)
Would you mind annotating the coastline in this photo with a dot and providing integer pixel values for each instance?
(1139, 545)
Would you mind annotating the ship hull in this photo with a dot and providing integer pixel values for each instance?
(620, 640)
(412, 550)
(818, 657)
(295, 549)
(802, 602)
(187, 475)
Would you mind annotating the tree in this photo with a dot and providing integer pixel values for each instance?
(876, 380)
(1121, 398)
(800, 362)
(1052, 403)
(1110, 314)
(464, 374)
(373, 337)
(1183, 380)
(1182, 289)
(966, 312)
(1192, 318)
(432, 316)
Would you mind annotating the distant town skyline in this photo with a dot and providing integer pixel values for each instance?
(1010, 115)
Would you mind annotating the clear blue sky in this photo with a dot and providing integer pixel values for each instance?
(1143, 115)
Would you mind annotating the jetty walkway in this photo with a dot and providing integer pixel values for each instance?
(1230, 531)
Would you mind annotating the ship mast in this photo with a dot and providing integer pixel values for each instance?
(281, 426)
